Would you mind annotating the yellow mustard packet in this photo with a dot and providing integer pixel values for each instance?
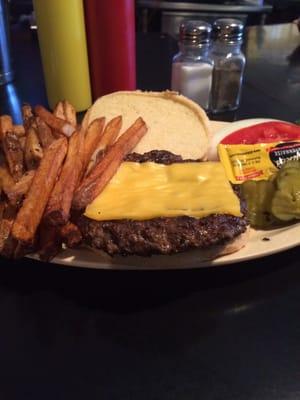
(258, 161)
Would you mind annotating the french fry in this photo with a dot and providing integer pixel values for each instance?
(82, 133)
(14, 249)
(92, 139)
(49, 243)
(58, 208)
(54, 122)
(3, 161)
(6, 125)
(6, 179)
(22, 141)
(6, 224)
(19, 130)
(33, 150)
(28, 116)
(14, 154)
(71, 235)
(59, 113)
(26, 111)
(81, 148)
(59, 110)
(2, 207)
(96, 181)
(16, 192)
(44, 133)
(31, 212)
(111, 132)
(12, 147)
(69, 113)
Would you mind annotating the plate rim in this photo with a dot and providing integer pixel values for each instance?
(67, 257)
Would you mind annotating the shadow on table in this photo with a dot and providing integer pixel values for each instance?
(147, 311)
(131, 291)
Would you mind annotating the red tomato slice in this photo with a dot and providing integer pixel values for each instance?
(265, 132)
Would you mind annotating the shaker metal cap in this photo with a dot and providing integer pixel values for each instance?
(228, 30)
(195, 32)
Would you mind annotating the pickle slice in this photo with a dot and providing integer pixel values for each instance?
(258, 195)
(286, 200)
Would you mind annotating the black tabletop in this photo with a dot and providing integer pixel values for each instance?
(230, 332)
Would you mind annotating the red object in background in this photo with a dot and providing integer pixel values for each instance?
(110, 27)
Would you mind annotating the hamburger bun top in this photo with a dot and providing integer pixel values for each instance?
(174, 122)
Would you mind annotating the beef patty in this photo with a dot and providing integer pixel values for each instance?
(160, 235)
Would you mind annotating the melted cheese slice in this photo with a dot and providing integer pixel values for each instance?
(150, 190)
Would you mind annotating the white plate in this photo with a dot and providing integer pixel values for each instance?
(280, 240)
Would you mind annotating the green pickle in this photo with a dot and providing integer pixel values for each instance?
(274, 201)
(286, 200)
(259, 195)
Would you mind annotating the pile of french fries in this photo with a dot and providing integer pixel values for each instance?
(51, 168)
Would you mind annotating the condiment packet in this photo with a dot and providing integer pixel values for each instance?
(258, 161)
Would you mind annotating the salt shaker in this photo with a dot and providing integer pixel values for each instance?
(229, 64)
(192, 67)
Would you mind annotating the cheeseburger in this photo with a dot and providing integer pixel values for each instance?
(165, 198)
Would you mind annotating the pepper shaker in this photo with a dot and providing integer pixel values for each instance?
(192, 67)
(229, 64)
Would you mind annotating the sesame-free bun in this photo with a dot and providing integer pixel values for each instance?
(175, 123)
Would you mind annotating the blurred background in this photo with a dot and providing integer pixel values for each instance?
(166, 16)
(147, 58)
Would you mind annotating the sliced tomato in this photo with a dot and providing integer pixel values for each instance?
(265, 132)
